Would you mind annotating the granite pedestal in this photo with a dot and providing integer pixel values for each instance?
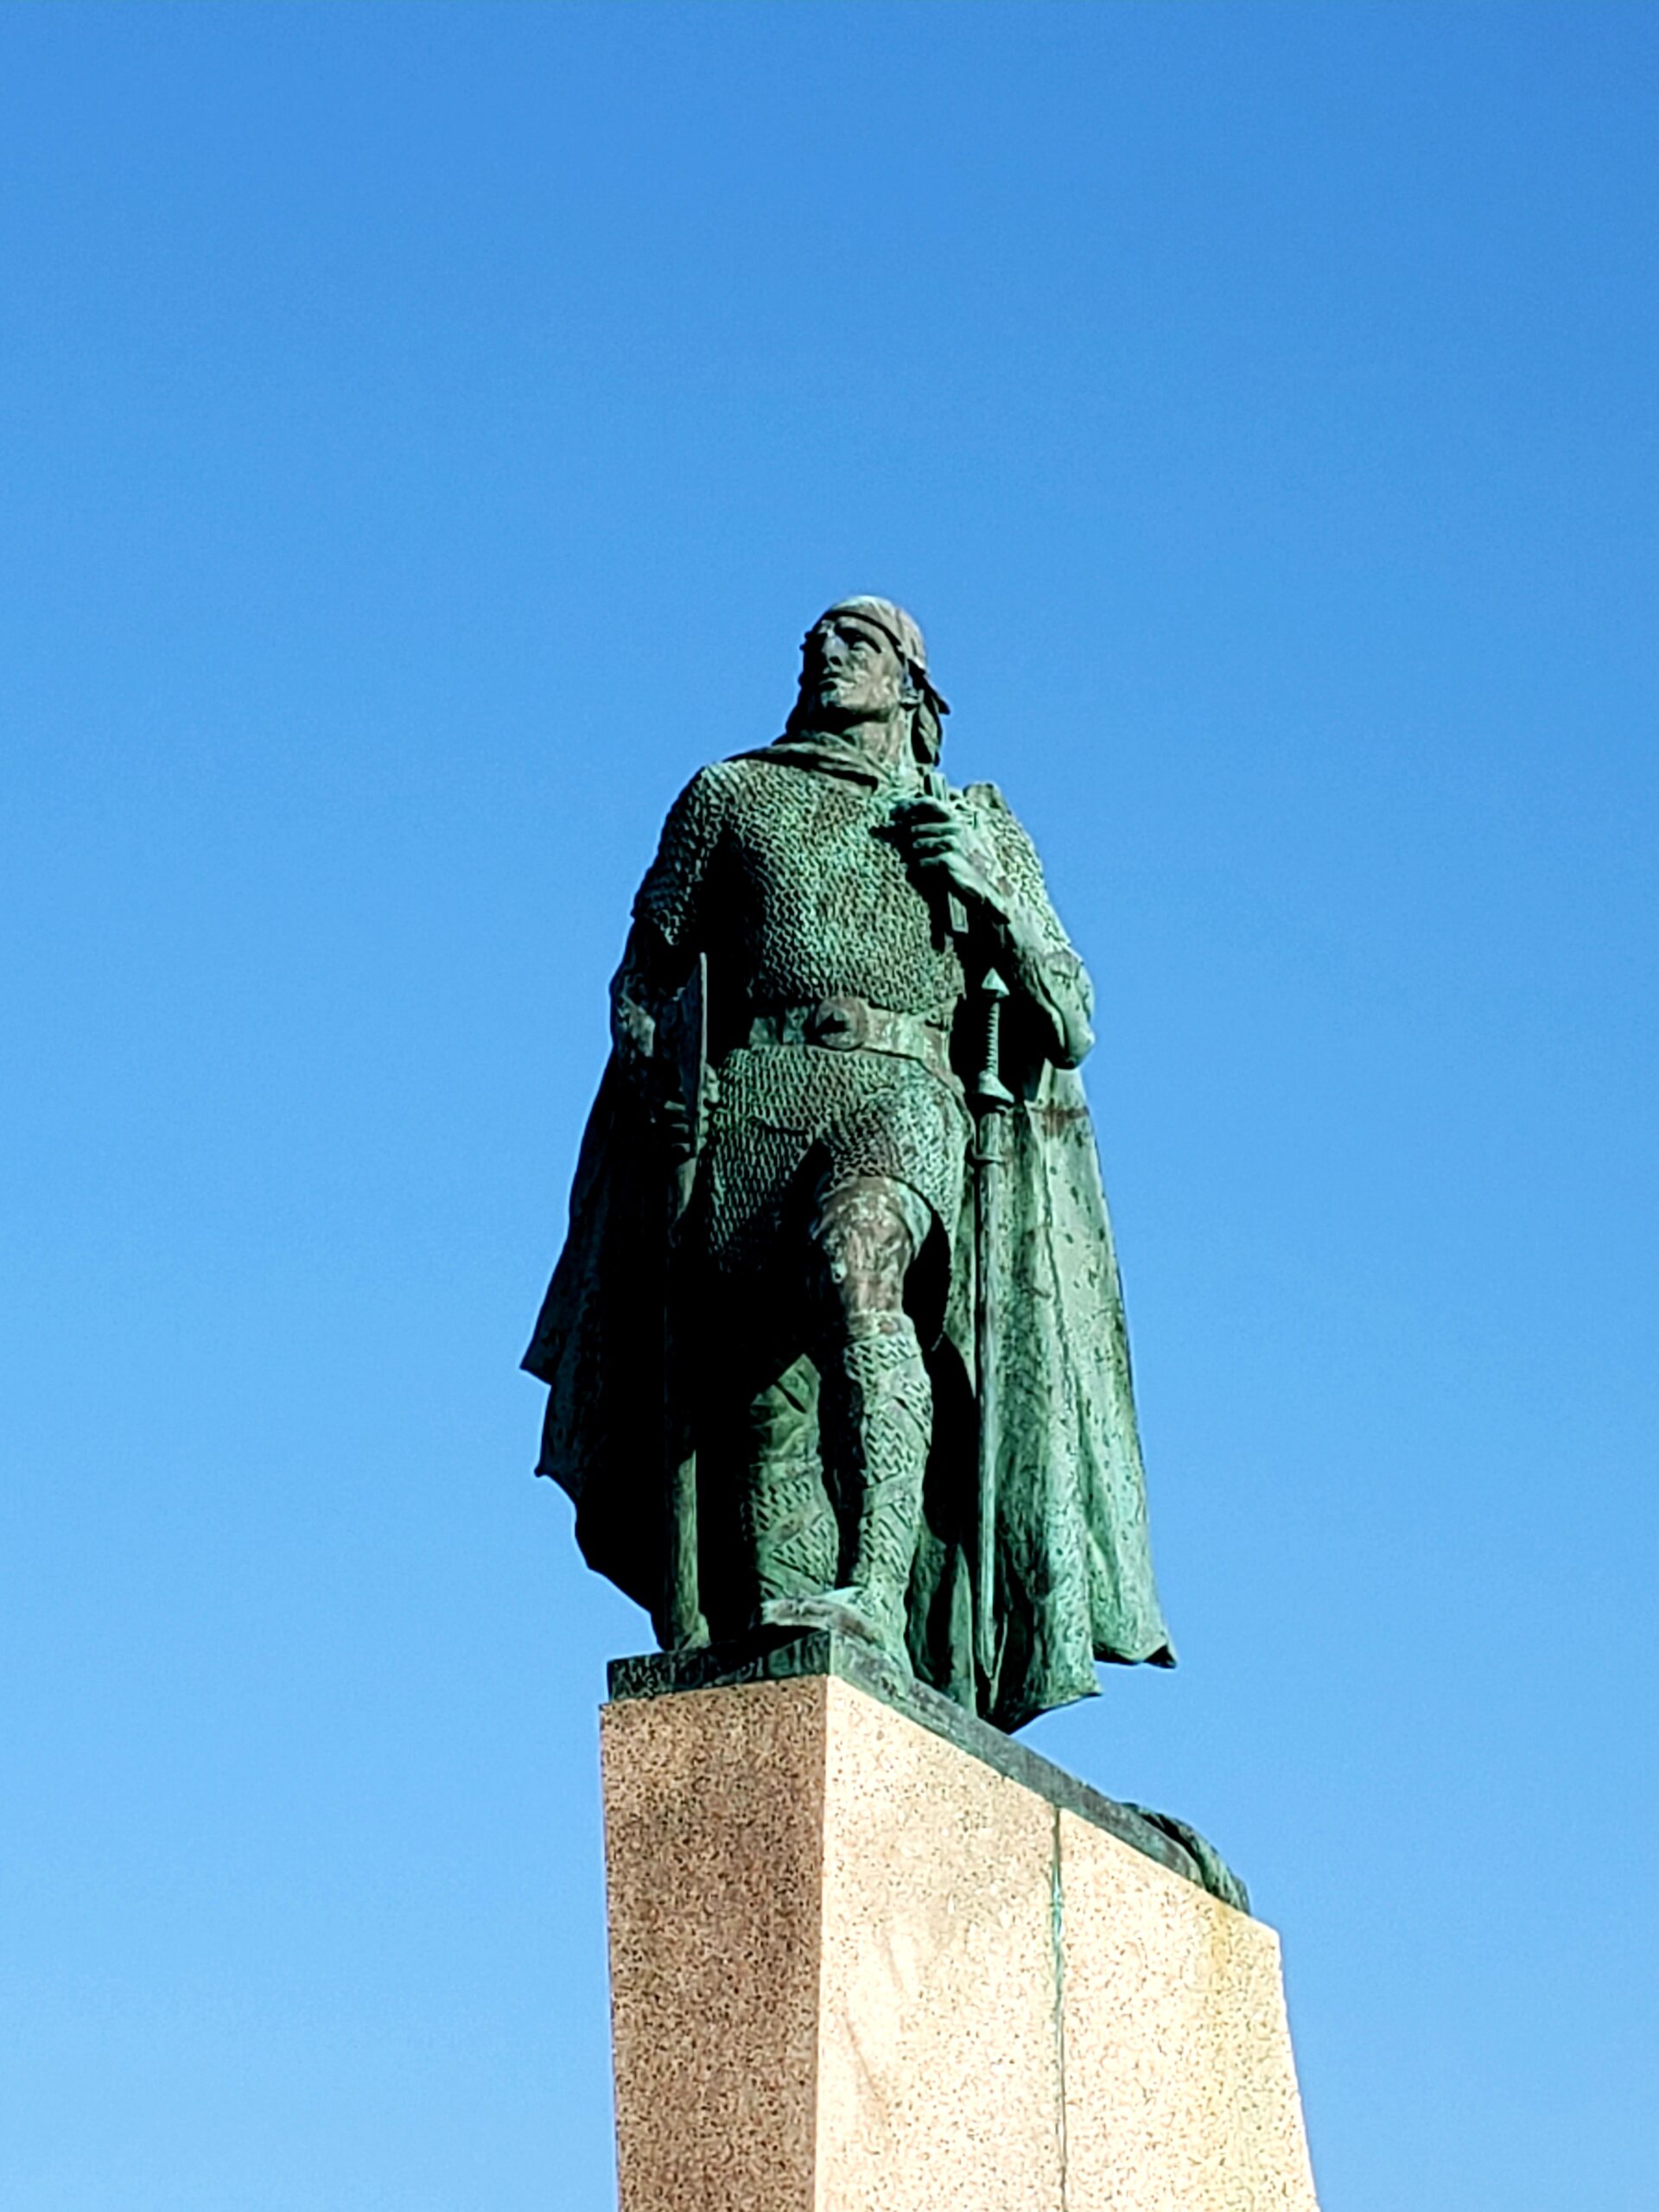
(869, 1955)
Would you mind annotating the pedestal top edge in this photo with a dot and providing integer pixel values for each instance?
(788, 1655)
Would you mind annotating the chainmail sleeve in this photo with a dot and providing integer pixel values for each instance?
(663, 940)
(1035, 956)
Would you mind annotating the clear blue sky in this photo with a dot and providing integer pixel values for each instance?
(428, 432)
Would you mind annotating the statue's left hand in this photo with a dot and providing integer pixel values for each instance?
(948, 842)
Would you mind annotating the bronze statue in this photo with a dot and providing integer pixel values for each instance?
(836, 1339)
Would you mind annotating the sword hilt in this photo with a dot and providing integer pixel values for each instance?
(989, 1089)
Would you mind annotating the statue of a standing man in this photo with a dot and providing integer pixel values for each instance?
(868, 1368)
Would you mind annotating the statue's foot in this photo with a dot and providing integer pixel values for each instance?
(852, 1612)
(682, 1635)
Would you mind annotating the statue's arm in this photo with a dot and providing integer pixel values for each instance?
(665, 939)
(972, 842)
(1032, 954)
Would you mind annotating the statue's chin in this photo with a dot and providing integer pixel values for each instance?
(835, 712)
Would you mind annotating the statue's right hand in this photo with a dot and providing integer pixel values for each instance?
(655, 1086)
(671, 1118)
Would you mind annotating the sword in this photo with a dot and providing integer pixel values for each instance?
(992, 1099)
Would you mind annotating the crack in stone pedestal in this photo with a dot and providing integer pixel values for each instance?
(856, 1968)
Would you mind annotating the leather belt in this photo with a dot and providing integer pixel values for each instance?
(852, 1025)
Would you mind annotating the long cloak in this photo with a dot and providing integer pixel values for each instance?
(1073, 1563)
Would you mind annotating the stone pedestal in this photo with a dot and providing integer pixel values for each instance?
(867, 1956)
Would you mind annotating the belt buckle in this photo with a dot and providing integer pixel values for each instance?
(841, 1024)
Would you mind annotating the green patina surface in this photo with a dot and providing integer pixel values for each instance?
(838, 1339)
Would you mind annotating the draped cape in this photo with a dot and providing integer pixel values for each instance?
(1073, 1563)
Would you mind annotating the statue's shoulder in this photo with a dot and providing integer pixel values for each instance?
(987, 796)
(739, 785)
(740, 770)
(998, 816)
(766, 781)
(697, 821)
(729, 796)
(709, 792)
(717, 775)
(1007, 834)
(784, 756)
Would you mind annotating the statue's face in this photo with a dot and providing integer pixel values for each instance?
(850, 670)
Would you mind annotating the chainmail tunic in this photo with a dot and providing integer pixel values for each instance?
(791, 880)
(789, 876)
(782, 869)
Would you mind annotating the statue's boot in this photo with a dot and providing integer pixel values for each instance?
(790, 1532)
(876, 1411)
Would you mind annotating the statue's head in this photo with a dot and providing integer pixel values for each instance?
(864, 659)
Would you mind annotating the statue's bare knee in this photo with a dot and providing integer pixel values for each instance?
(876, 1403)
(866, 1235)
